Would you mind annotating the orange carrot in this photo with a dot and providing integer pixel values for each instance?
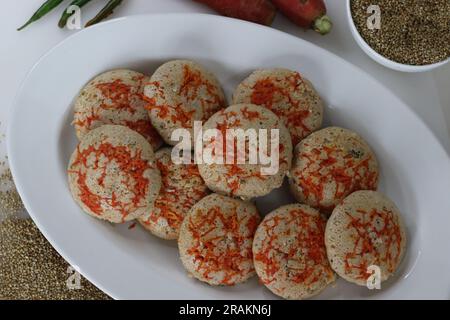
(259, 11)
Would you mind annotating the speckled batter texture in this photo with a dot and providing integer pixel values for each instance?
(182, 187)
(289, 252)
(246, 180)
(179, 93)
(331, 164)
(216, 239)
(287, 94)
(365, 230)
(113, 175)
(115, 97)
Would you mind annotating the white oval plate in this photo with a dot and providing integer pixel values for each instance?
(130, 263)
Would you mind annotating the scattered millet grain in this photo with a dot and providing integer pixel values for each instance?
(31, 269)
(10, 202)
(29, 266)
(414, 32)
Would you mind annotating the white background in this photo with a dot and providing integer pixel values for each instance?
(427, 94)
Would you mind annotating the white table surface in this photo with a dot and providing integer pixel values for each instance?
(427, 94)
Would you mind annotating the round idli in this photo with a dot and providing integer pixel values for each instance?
(182, 187)
(289, 95)
(115, 97)
(329, 165)
(216, 237)
(179, 93)
(113, 175)
(289, 252)
(242, 178)
(365, 232)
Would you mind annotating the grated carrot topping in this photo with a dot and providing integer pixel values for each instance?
(251, 115)
(268, 93)
(234, 173)
(145, 128)
(352, 175)
(235, 245)
(121, 97)
(171, 197)
(133, 166)
(195, 87)
(301, 261)
(367, 246)
(119, 94)
(87, 121)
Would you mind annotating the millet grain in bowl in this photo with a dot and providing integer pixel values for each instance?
(413, 32)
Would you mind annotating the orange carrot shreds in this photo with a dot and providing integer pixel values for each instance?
(290, 254)
(119, 95)
(268, 93)
(251, 115)
(365, 237)
(145, 128)
(382, 224)
(216, 240)
(91, 200)
(235, 173)
(182, 116)
(182, 187)
(286, 94)
(246, 135)
(325, 173)
(163, 111)
(174, 113)
(179, 93)
(115, 98)
(87, 121)
(346, 177)
(195, 87)
(104, 158)
(264, 93)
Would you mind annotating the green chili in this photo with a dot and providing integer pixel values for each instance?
(65, 16)
(105, 12)
(48, 6)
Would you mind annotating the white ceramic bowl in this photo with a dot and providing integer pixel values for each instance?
(381, 59)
